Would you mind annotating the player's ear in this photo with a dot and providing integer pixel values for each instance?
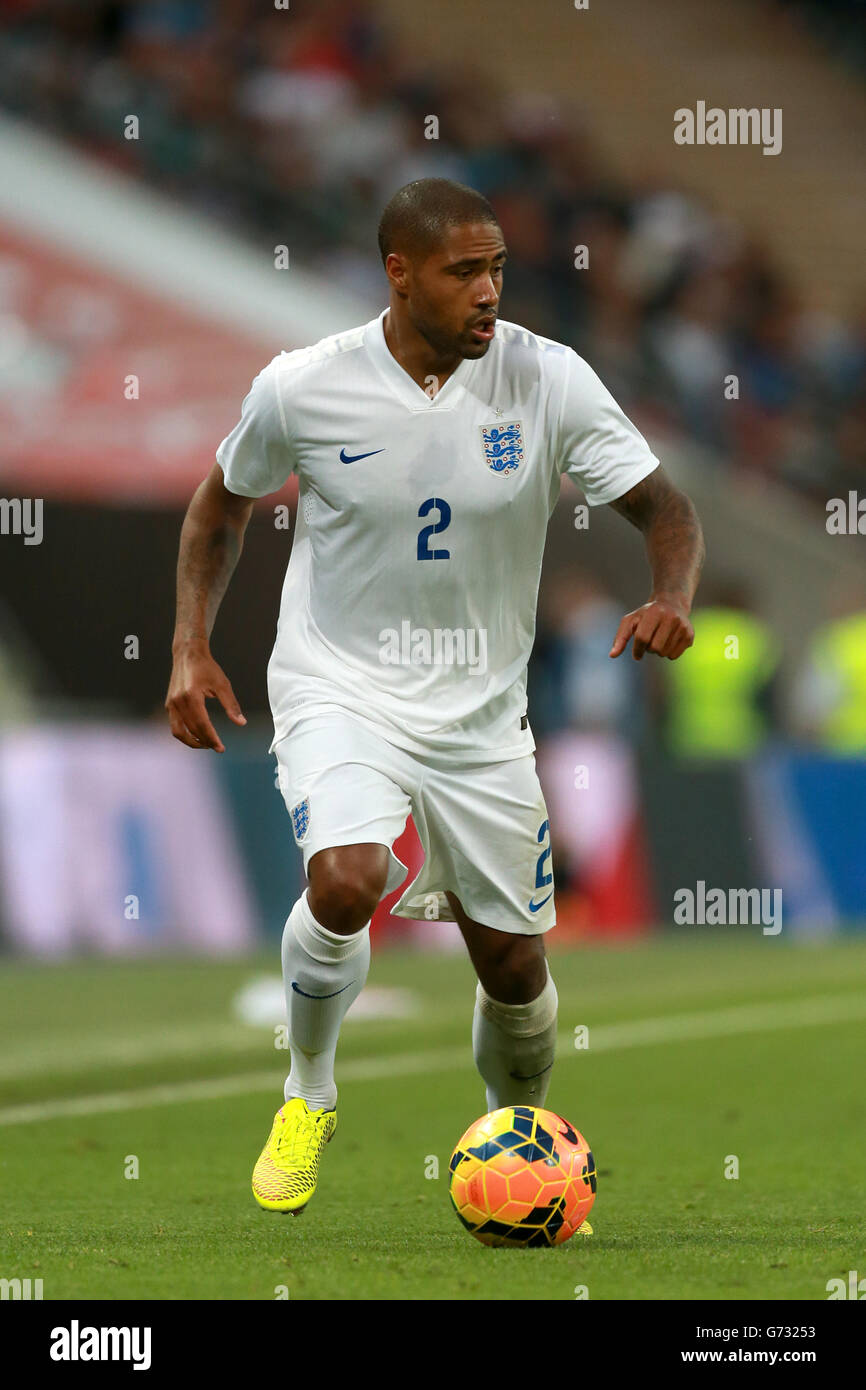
(397, 270)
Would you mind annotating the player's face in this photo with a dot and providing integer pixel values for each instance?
(453, 296)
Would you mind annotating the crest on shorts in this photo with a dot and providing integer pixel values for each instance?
(503, 446)
(300, 815)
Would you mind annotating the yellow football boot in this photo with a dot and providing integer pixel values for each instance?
(285, 1176)
(584, 1230)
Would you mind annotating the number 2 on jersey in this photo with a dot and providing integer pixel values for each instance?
(424, 551)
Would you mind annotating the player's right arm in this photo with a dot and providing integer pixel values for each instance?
(253, 461)
(211, 541)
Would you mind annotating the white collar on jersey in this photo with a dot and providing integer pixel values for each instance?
(408, 390)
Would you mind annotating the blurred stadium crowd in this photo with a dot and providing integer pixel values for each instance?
(840, 25)
(299, 133)
(723, 703)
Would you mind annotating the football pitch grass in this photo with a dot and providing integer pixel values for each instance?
(700, 1052)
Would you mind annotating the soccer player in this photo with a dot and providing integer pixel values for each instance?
(429, 446)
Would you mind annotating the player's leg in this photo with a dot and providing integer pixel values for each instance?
(347, 806)
(511, 967)
(486, 837)
(514, 1024)
(342, 787)
(326, 957)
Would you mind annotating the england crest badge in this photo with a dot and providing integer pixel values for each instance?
(503, 446)
(300, 815)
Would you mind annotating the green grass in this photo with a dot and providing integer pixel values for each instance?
(661, 1115)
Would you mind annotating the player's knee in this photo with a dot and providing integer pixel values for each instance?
(517, 973)
(345, 889)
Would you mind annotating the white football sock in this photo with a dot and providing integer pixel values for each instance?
(514, 1046)
(323, 972)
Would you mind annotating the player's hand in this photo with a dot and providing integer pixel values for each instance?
(196, 677)
(661, 626)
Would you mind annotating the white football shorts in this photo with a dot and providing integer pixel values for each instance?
(483, 827)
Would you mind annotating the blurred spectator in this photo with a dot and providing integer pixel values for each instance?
(721, 701)
(830, 693)
(839, 24)
(23, 679)
(588, 712)
(577, 684)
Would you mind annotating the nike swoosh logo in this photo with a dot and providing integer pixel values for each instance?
(298, 990)
(353, 458)
(516, 1077)
(534, 907)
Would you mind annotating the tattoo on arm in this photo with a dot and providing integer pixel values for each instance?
(672, 532)
(205, 566)
(211, 541)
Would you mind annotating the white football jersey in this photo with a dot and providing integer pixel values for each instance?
(410, 595)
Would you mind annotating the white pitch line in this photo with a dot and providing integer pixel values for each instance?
(746, 1018)
(59, 1055)
(152, 1044)
(718, 1023)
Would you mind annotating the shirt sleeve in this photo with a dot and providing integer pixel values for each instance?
(258, 456)
(599, 447)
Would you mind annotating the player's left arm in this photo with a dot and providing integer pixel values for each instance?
(675, 549)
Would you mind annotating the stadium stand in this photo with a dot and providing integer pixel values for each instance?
(297, 133)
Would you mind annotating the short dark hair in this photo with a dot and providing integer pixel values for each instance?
(416, 218)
